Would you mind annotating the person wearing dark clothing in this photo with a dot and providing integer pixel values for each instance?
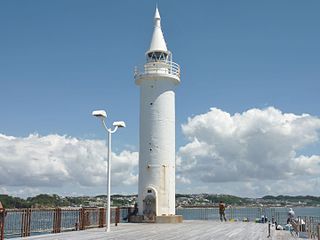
(222, 208)
(134, 213)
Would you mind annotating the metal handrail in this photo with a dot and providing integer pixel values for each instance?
(162, 67)
(29, 221)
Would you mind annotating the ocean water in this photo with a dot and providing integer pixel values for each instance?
(307, 211)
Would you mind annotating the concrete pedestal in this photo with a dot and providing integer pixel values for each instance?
(136, 219)
(157, 219)
(169, 219)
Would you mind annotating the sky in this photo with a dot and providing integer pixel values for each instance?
(247, 108)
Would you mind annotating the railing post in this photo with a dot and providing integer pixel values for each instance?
(87, 213)
(54, 220)
(2, 218)
(308, 221)
(22, 222)
(29, 212)
(81, 219)
(84, 218)
(102, 217)
(232, 213)
(318, 231)
(26, 220)
(309, 227)
(57, 220)
(117, 216)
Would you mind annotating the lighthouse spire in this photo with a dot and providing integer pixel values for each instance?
(158, 44)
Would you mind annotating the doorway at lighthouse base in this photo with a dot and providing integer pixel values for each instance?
(150, 213)
(149, 208)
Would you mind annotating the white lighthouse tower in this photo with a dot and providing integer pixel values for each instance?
(157, 80)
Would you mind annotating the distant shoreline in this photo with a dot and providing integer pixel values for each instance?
(185, 200)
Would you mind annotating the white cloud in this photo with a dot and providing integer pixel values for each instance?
(248, 147)
(254, 153)
(54, 161)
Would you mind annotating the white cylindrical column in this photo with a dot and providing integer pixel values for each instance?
(157, 80)
(157, 144)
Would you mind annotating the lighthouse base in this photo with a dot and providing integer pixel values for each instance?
(157, 219)
(136, 219)
(169, 219)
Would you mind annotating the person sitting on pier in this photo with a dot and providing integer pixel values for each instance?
(134, 213)
(222, 208)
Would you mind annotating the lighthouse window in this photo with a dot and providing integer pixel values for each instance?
(156, 56)
(151, 104)
(149, 191)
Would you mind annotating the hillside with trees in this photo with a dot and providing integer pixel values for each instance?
(182, 200)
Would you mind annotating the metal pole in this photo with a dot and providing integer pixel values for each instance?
(102, 115)
(109, 178)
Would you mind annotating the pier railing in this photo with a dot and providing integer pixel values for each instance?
(232, 213)
(312, 227)
(36, 221)
(306, 225)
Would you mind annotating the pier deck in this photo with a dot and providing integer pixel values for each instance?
(186, 230)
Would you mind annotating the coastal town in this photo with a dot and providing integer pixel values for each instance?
(182, 200)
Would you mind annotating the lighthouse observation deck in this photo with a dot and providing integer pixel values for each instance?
(157, 70)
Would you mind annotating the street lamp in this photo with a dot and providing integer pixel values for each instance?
(103, 115)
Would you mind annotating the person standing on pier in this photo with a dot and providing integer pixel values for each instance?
(291, 215)
(222, 208)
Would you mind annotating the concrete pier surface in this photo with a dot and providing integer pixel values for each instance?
(186, 230)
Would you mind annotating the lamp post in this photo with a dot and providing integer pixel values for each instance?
(103, 115)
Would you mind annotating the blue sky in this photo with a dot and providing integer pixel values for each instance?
(59, 60)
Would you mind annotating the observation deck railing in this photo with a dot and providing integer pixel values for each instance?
(159, 67)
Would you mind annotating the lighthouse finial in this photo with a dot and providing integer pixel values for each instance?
(157, 43)
(157, 14)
